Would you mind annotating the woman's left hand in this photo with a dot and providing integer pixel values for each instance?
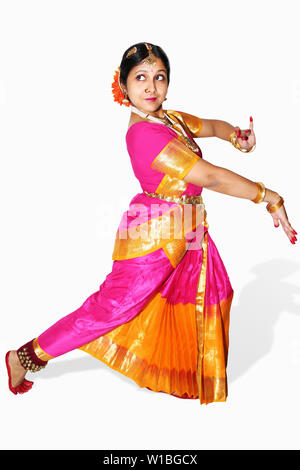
(246, 138)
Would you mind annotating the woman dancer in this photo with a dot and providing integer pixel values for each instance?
(161, 317)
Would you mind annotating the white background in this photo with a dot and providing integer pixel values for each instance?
(66, 179)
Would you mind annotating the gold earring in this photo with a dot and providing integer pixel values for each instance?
(125, 100)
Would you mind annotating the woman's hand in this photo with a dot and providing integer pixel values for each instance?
(280, 215)
(246, 138)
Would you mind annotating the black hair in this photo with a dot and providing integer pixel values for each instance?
(134, 59)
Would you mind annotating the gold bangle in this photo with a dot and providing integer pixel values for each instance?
(270, 204)
(274, 207)
(233, 140)
(261, 192)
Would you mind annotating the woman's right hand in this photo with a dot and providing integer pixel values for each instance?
(280, 215)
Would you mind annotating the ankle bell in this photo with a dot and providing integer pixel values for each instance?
(29, 360)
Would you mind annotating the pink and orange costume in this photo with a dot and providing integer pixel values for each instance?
(161, 317)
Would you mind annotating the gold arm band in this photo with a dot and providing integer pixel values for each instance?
(261, 192)
(274, 207)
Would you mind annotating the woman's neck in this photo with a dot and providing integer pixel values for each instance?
(159, 113)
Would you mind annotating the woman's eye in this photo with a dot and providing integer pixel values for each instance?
(141, 75)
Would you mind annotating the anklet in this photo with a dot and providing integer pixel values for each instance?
(29, 360)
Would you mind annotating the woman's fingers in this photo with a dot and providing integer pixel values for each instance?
(281, 216)
(251, 123)
(290, 232)
(286, 230)
(244, 134)
(237, 131)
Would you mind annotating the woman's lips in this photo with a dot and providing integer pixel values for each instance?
(150, 99)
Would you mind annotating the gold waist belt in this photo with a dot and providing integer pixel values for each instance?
(185, 199)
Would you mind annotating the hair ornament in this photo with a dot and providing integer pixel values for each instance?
(132, 51)
(117, 92)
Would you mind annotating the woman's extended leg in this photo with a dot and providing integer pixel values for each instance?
(126, 290)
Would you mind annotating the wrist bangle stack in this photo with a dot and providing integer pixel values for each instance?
(261, 191)
(273, 207)
(233, 140)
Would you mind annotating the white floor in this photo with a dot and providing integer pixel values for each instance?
(80, 403)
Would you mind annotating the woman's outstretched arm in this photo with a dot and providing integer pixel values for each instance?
(222, 129)
(200, 127)
(225, 181)
(215, 128)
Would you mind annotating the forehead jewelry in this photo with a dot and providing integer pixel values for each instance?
(150, 59)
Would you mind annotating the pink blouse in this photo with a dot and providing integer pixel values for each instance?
(145, 141)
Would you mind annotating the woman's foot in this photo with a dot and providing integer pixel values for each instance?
(16, 374)
(17, 370)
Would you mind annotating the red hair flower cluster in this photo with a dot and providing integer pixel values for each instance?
(116, 90)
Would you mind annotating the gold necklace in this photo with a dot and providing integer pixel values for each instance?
(167, 121)
(183, 136)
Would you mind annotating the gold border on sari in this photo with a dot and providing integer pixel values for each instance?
(39, 351)
(166, 231)
(199, 308)
(212, 348)
(175, 250)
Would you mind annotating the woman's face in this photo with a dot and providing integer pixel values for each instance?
(148, 81)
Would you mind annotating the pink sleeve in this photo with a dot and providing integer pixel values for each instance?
(155, 146)
(145, 140)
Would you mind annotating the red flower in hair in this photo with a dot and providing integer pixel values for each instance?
(116, 90)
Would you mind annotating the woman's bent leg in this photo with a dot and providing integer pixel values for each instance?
(124, 293)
